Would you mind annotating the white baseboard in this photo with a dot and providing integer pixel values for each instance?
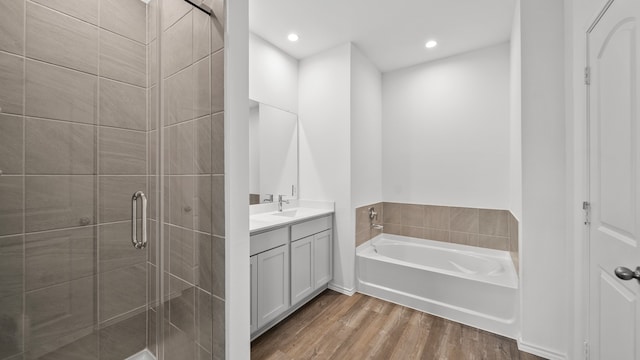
(536, 350)
(341, 290)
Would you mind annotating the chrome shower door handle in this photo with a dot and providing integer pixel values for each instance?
(134, 226)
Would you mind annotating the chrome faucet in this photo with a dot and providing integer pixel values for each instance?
(280, 201)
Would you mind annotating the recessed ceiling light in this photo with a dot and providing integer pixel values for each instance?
(293, 37)
(431, 44)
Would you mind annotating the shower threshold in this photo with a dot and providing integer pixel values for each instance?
(142, 355)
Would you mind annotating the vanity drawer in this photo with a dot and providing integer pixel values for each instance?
(299, 231)
(268, 240)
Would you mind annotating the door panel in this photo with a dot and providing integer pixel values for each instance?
(301, 269)
(322, 258)
(613, 181)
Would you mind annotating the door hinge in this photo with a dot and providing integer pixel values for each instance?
(586, 206)
(586, 350)
(587, 75)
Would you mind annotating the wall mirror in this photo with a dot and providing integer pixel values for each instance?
(273, 153)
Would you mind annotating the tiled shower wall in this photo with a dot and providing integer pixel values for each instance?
(73, 150)
(493, 229)
(192, 72)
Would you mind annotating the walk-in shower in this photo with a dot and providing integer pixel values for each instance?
(112, 179)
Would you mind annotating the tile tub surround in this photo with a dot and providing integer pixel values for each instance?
(488, 228)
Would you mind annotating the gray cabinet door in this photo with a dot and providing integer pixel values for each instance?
(322, 255)
(302, 280)
(254, 292)
(273, 284)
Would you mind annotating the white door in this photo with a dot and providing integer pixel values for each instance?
(614, 165)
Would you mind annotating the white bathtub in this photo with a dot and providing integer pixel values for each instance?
(470, 285)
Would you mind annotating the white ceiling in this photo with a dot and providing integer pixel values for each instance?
(391, 33)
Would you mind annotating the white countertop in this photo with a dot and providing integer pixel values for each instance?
(264, 217)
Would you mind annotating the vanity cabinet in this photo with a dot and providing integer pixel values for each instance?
(289, 266)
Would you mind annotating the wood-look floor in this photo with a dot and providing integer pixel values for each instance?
(336, 326)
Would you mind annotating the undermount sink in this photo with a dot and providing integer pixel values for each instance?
(288, 213)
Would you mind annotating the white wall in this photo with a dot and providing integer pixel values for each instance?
(273, 75)
(324, 112)
(254, 150)
(445, 127)
(366, 131)
(544, 268)
(236, 152)
(515, 117)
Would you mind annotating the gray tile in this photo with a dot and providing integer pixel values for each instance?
(86, 10)
(178, 99)
(217, 35)
(152, 20)
(11, 140)
(85, 348)
(61, 40)
(204, 320)
(124, 338)
(59, 314)
(202, 88)
(152, 275)
(464, 219)
(217, 143)
(204, 253)
(201, 35)
(58, 93)
(122, 290)
(218, 334)
(152, 151)
(55, 257)
(54, 202)
(152, 61)
(152, 108)
(115, 196)
(11, 204)
(152, 196)
(12, 26)
(217, 205)
(392, 213)
(122, 59)
(437, 234)
(412, 231)
(436, 217)
(11, 265)
(493, 222)
(116, 250)
(182, 200)
(178, 345)
(363, 223)
(217, 82)
(218, 266)
(395, 229)
(463, 238)
(122, 106)
(54, 147)
(122, 152)
(12, 80)
(125, 17)
(11, 339)
(217, 7)
(173, 10)
(412, 215)
(202, 353)
(182, 307)
(152, 340)
(493, 242)
(202, 145)
(177, 46)
(202, 199)
(182, 257)
(181, 151)
(513, 234)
